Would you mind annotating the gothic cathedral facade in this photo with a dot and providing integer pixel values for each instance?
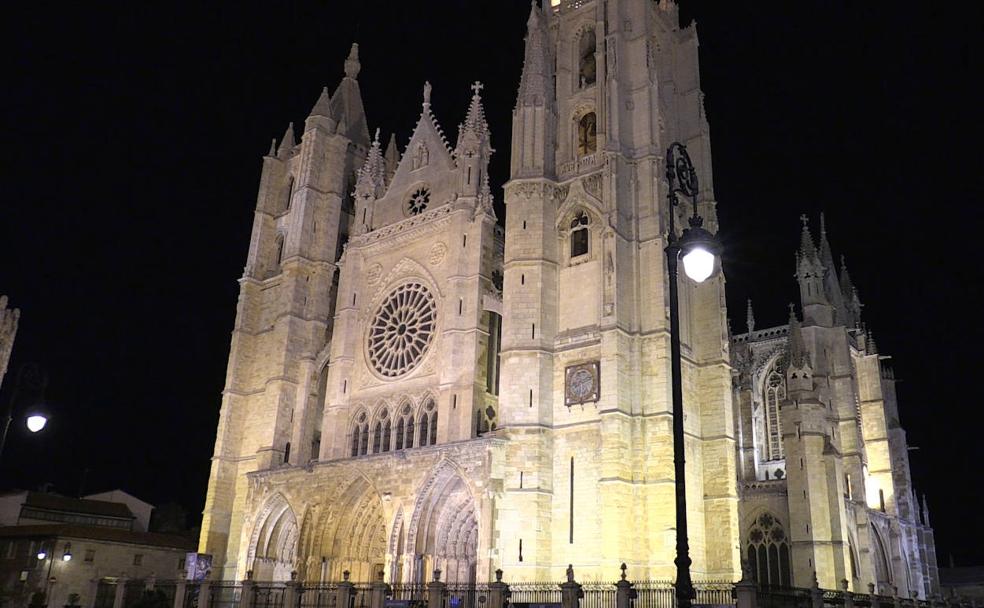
(413, 387)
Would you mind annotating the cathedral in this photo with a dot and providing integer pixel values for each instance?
(415, 384)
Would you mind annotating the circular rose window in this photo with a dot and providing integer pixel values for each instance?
(401, 330)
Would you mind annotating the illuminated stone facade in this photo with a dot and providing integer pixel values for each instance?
(823, 459)
(412, 387)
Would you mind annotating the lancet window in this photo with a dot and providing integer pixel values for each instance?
(580, 235)
(428, 425)
(360, 435)
(773, 394)
(587, 134)
(404, 429)
(768, 552)
(587, 68)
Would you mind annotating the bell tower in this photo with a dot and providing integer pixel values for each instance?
(585, 405)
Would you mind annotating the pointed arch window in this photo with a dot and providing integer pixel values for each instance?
(587, 67)
(290, 192)
(587, 134)
(774, 393)
(360, 435)
(387, 431)
(428, 425)
(279, 250)
(580, 235)
(768, 552)
(404, 429)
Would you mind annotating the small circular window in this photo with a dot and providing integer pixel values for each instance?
(401, 330)
(418, 201)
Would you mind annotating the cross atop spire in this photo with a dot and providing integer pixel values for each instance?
(805, 221)
(477, 88)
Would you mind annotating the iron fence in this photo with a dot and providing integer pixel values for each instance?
(317, 596)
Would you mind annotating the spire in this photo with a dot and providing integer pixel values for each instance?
(392, 156)
(475, 118)
(273, 148)
(352, 65)
(870, 342)
(371, 179)
(807, 250)
(750, 317)
(925, 511)
(323, 106)
(826, 255)
(535, 85)
(797, 348)
(346, 103)
(287, 143)
(847, 287)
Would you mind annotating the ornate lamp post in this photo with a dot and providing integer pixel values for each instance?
(36, 418)
(699, 251)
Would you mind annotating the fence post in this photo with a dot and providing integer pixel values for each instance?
(247, 598)
(180, 589)
(377, 592)
(873, 596)
(290, 591)
(151, 582)
(498, 591)
(746, 590)
(816, 594)
(343, 594)
(571, 592)
(848, 596)
(436, 590)
(625, 593)
(204, 593)
(896, 600)
(120, 591)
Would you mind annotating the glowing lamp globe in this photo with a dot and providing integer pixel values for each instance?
(67, 557)
(698, 263)
(36, 422)
(42, 554)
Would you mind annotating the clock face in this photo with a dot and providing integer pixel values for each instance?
(582, 383)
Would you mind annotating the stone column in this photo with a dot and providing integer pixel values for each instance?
(378, 592)
(848, 596)
(344, 592)
(120, 590)
(625, 593)
(498, 591)
(436, 591)
(570, 592)
(746, 591)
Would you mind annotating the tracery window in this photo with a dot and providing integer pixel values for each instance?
(418, 201)
(360, 435)
(768, 552)
(401, 330)
(774, 393)
(404, 429)
(428, 424)
(579, 235)
(587, 68)
(587, 134)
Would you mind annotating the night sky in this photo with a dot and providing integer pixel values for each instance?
(132, 143)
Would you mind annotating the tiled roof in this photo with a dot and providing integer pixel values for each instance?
(153, 539)
(64, 504)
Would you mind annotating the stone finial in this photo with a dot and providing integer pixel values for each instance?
(843, 584)
(498, 575)
(750, 317)
(293, 575)
(249, 575)
(437, 575)
(570, 573)
(871, 588)
(345, 575)
(352, 65)
(623, 568)
(427, 93)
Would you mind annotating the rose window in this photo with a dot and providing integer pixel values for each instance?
(418, 201)
(401, 330)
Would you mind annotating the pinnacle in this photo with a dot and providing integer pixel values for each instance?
(273, 148)
(750, 317)
(807, 249)
(797, 349)
(352, 65)
(323, 106)
(392, 153)
(287, 143)
(475, 118)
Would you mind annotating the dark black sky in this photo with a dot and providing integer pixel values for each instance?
(132, 143)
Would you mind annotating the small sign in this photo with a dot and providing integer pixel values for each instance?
(197, 566)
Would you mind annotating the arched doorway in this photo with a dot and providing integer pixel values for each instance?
(354, 536)
(443, 532)
(273, 545)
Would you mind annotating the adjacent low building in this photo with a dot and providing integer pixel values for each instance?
(63, 547)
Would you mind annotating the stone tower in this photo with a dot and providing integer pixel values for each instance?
(606, 87)
(284, 319)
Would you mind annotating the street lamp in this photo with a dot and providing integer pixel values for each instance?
(36, 419)
(700, 253)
